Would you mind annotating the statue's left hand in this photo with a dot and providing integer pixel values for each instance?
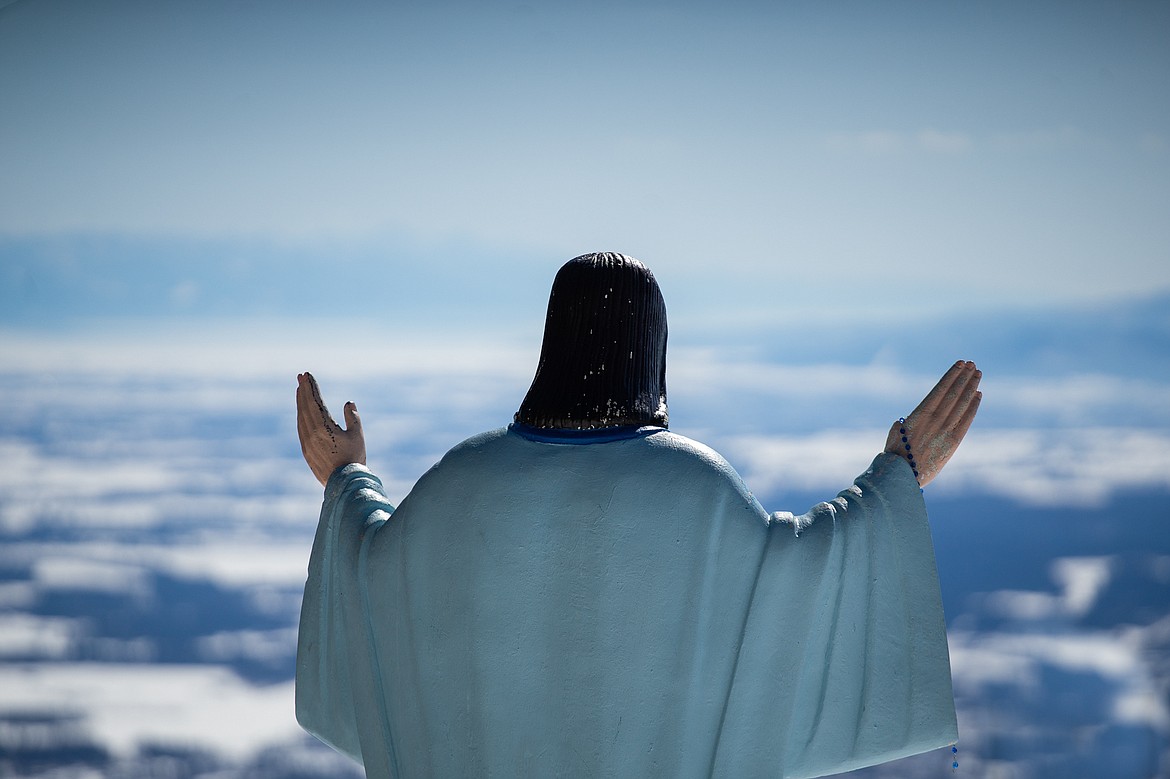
(936, 427)
(325, 445)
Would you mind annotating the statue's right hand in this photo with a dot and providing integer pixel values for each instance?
(934, 430)
(325, 445)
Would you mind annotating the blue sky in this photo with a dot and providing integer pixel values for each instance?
(758, 156)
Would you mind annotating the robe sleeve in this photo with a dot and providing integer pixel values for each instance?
(844, 659)
(332, 648)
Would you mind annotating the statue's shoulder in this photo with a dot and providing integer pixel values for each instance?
(680, 446)
(479, 445)
(689, 471)
(683, 451)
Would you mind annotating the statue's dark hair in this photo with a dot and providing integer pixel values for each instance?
(603, 360)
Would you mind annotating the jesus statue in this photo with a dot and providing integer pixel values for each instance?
(585, 593)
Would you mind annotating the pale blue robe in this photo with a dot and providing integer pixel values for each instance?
(620, 608)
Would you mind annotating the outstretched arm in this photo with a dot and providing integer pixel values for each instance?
(325, 445)
(935, 428)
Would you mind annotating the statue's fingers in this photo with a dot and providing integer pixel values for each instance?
(938, 393)
(309, 410)
(308, 425)
(951, 395)
(353, 422)
(322, 412)
(962, 402)
(929, 408)
(306, 407)
(963, 423)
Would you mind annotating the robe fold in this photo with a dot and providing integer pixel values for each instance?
(620, 608)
